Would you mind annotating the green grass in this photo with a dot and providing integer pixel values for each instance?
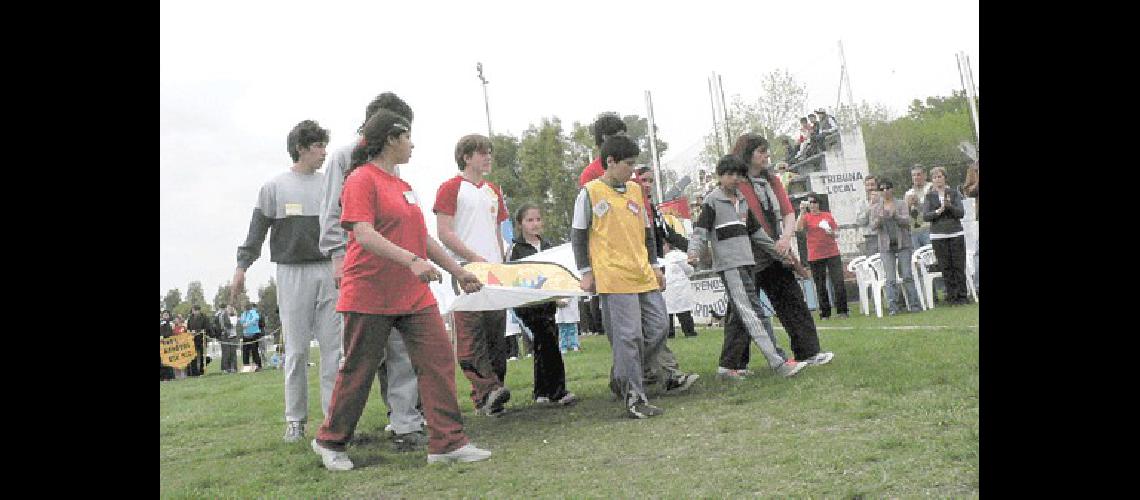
(894, 415)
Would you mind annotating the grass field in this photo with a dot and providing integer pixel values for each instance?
(894, 415)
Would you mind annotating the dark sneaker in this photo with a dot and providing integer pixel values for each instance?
(416, 440)
(643, 410)
(496, 399)
(682, 383)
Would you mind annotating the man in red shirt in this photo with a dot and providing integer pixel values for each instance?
(607, 125)
(823, 255)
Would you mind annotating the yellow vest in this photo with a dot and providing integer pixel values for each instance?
(618, 255)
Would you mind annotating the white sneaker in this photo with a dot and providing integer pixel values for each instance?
(821, 358)
(335, 460)
(467, 453)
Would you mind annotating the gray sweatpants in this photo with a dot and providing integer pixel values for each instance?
(398, 386)
(742, 292)
(306, 296)
(635, 324)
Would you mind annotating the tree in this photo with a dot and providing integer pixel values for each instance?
(929, 135)
(173, 298)
(549, 177)
(197, 297)
(637, 128)
(782, 101)
(776, 112)
(223, 297)
(267, 305)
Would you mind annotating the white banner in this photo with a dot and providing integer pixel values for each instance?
(710, 297)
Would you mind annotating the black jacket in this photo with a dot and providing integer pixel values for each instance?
(950, 221)
(520, 248)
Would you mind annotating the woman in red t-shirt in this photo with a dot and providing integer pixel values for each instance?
(823, 256)
(384, 287)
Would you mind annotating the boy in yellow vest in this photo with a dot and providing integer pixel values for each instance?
(615, 251)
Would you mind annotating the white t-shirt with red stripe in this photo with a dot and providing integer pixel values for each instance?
(478, 209)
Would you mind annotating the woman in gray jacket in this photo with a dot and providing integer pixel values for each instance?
(944, 210)
(890, 220)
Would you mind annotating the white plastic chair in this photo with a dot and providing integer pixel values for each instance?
(918, 268)
(860, 281)
(928, 259)
(875, 262)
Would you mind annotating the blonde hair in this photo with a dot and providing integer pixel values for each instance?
(938, 169)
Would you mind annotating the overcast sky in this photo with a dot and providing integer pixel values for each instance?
(236, 76)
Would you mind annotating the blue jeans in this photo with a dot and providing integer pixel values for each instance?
(568, 336)
(809, 293)
(901, 258)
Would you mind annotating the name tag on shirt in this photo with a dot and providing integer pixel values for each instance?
(601, 208)
(410, 196)
(292, 209)
(633, 207)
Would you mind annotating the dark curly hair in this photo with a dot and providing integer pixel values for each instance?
(731, 163)
(378, 129)
(619, 147)
(390, 102)
(607, 124)
(303, 135)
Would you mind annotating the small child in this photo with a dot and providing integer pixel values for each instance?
(731, 230)
(549, 372)
(567, 319)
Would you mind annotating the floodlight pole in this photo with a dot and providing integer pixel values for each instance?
(486, 103)
(653, 147)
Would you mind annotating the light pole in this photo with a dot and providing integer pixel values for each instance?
(479, 67)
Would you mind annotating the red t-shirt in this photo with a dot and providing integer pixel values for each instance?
(592, 171)
(373, 284)
(820, 245)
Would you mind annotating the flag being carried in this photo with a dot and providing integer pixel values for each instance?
(542, 277)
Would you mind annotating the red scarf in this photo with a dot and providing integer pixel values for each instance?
(748, 191)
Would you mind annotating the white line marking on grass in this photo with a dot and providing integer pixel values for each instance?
(911, 327)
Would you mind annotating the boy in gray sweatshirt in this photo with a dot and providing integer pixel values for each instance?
(730, 228)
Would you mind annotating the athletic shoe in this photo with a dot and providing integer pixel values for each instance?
(333, 460)
(542, 400)
(682, 383)
(496, 399)
(790, 368)
(821, 358)
(294, 431)
(726, 374)
(643, 410)
(568, 399)
(415, 440)
(513, 358)
(467, 453)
